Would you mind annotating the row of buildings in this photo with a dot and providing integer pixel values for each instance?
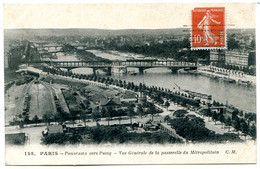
(234, 57)
(87, 100)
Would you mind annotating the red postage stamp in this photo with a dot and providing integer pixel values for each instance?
(208, 28)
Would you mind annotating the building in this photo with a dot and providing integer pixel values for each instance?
(73, 100)
(217, 55)
(16, 138)
(55, 129)
(213, 55)
(142, 98)
(6, 60)
(251, 59)
(108, 103)
(240, 58)
(236, 58)
(127, 98)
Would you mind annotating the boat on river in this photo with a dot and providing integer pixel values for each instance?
(199, 95)
(229, 80)
(132, 73)
(196, 94)
(194, 72)
(244, 82)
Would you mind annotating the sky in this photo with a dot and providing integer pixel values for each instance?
(119, 16)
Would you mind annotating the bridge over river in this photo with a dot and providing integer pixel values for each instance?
(141, 64)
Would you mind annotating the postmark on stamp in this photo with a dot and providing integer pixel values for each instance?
(208, 28)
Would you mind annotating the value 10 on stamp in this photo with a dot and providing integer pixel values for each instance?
(208, 28)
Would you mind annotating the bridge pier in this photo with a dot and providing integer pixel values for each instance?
(174, 70)
(119, 69)
(109, 71)
(69, 71)
(141, 70)
(94, 71)
(193, 68)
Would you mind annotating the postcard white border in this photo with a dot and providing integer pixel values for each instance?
(2, 159)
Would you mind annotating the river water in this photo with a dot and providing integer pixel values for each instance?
(239, 96)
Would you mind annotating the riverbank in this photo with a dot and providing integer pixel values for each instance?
(116, 55)
(226, 75)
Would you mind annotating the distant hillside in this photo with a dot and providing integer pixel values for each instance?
(27, 33)
(234, 31)
(30, 33)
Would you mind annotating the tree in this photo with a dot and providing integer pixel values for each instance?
(252, 44)
(62, 116)
(152, 110)
(25, 117)
(96, 116)
(73, 117)
(236, 123)
(103, 112)
(56, 118)
(245, 128)
(18, 119)
(240, 113)
(252, 117)
(167, 104)
(222, 119)
(167, 118)
(35, 119)
(234, 114)
(228, 123)
(119, 119)
(180, 113)
(46, 118)
(130, 112)
(140, 110)
(120, 113)
(83, 117)
(209, 113)
(252, 131)
(108, 114)
(215, 117)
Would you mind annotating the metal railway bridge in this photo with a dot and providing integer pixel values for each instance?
(140, 64)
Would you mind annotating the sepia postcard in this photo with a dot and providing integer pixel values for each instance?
(130, 83)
